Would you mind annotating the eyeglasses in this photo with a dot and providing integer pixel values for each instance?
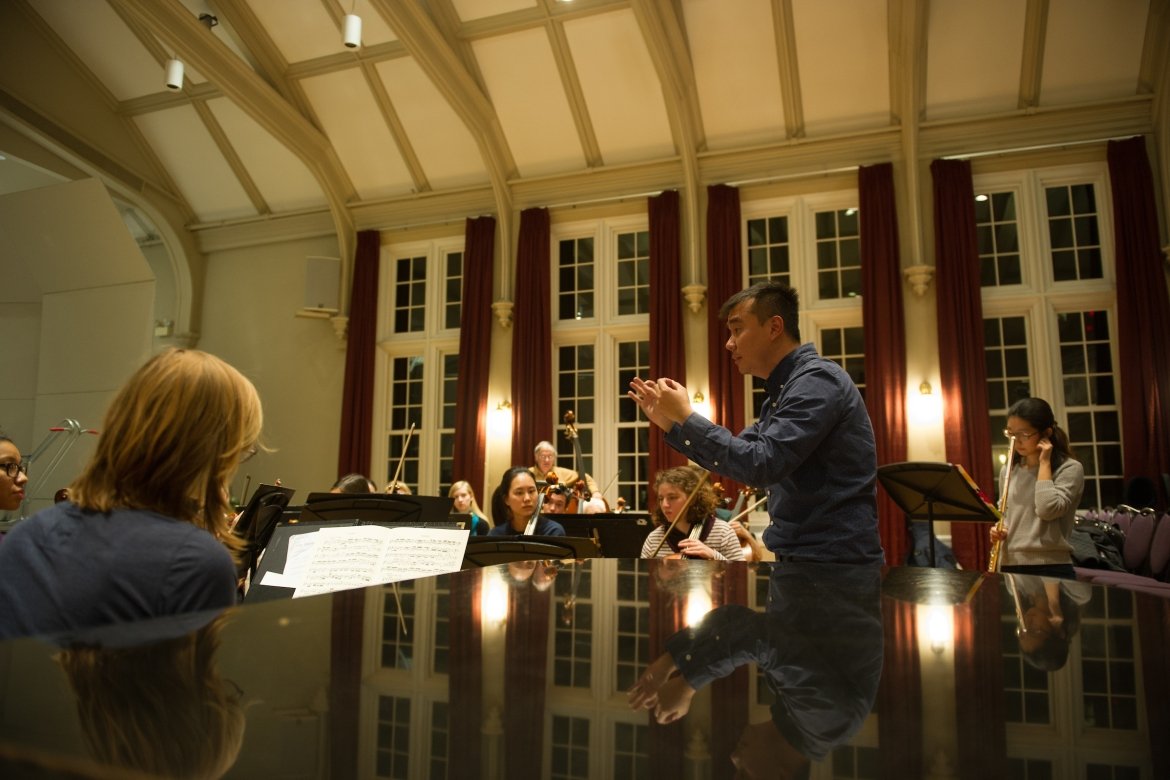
(1021, 436)
(14, 468)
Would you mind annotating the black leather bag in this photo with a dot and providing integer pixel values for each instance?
(1096, 545)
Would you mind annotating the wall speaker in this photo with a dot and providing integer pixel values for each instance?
(323, 284)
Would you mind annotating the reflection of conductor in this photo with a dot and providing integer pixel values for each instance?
(819, 646)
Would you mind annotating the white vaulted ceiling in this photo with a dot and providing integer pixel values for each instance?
(457, 107)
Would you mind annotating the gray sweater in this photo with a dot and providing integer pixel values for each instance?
(1040, 514)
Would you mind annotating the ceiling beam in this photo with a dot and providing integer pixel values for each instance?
(784, 30)
(907, 52)
(1032, 61)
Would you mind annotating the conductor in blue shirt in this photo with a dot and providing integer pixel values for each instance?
(812, 446)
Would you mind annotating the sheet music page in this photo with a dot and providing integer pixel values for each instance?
(421, 552)
(357, 556)
(300, 555)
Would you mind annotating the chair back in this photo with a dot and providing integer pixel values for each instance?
(1160, 550)
(1137, 543)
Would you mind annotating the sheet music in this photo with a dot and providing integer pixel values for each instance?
(357, 556)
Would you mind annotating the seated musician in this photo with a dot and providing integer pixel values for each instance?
(514, 503)
(546, 461)
(698, 533)
(146, 532)
(556, 498)
(354, 483)
(463, 503)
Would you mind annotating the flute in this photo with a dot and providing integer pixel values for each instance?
(993, 559)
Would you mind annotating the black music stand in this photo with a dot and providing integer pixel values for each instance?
(619, 535)
(420, 511)
(495, 550)
(936, 491)
(257, 521)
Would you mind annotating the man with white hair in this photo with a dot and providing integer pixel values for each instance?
(546, 461)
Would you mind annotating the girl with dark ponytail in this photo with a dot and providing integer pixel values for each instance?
(1045, 489)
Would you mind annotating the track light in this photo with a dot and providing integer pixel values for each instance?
(353, 31)
(174, 74)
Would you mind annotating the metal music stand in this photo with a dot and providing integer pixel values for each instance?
(936, 491)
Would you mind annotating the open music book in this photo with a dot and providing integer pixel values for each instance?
(338, 558)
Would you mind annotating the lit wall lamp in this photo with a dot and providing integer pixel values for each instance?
(500, 419)
(925, 406)
(700, 405)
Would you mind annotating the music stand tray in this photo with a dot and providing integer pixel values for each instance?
(618, 535)
(936, 491)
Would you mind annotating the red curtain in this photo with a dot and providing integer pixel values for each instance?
(1143, 315)
(729, 695)
(1153, 621)
(531, 338)
(525, 680)
(899, 702)
(885, 340)
(724, 279)
(667, 356)
(979, 686)
(475, 341)
(666, 743)
(357, 395)
(960, 344)
(465, 708)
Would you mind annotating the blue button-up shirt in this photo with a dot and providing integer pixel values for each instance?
(813, 449)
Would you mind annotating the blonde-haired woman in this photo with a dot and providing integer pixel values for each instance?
(715, 539)
(147, 530)
(463, 503)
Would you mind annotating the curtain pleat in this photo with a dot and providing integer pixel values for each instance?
(667, 350)
(979, 686)
(885, 340)
(531, 338)
(357, 395)
(465, 707)
(525, 679)
(475, 341)
(1143, 316)
(962, 366)
(729, 695)
(899, 702)
(724, 279)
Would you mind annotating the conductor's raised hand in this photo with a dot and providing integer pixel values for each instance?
(644, 694)
(645, 394)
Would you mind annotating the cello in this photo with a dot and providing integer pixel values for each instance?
(579, 494)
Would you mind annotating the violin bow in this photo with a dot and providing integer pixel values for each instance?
(749, 510)
(686, 505)
(402, 459)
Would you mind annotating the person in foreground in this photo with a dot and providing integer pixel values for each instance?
(147, 530)
(812, 446)
(818, 647)
(513, 504)
(1043, 493)
(717, 540)
(13, 476)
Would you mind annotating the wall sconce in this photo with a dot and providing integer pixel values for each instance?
(924, 407)
(500, 419)
(700, 405)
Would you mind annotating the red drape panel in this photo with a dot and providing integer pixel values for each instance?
(531, 338)
(899, 703)
(667, 612)
(960, 344)
(667, 356)
(1143, 315)
(475, 340)
(525, 678)
(1153, 620)
(979, 683)
(724, 279)
(357, 396)
(465, 710)
(885, 340)
(729, 695)
(345, 680)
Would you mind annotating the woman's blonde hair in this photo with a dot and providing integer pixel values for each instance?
(465, 485)
(160, 708)
(172, 440)
(685, 478)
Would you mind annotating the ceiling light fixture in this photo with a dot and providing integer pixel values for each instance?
(174, 73)
(353, 30)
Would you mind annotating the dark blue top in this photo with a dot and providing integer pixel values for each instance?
(819, 647)
(544, 527)
(813, 449)
(66, 569)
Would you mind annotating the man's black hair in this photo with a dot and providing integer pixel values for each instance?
(768, 300)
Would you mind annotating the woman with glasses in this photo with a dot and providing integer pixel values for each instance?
(13, 476)
(146, 532)
(1043, 493)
